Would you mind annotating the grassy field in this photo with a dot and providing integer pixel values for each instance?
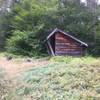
(63, 78)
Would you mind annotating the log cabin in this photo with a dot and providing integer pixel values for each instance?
(60, 43)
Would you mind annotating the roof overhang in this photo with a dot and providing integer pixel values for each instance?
(74, 38)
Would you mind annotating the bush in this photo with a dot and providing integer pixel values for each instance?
(24, 43)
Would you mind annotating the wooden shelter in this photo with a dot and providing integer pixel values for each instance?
(60, 43)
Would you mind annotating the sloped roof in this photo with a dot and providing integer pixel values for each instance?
(74, 38)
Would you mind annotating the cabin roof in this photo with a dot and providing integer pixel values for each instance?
(74, 38)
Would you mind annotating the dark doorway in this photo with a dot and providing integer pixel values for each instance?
(52, 42)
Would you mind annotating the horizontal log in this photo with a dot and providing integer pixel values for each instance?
(72, 50)
(64, 49)
(72, 43)
(68, 47)
(60, 54)
(60, 44)
(67, 39)
(66, 43)
(62, 40)
(68, 52)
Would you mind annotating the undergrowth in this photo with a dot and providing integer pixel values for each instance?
(65, 78)
(4, 85)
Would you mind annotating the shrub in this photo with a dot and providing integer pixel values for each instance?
(24, 43)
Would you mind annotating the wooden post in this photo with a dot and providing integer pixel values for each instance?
(50, 48)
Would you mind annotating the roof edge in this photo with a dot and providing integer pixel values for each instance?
(58, 30)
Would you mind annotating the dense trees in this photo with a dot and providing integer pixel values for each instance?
(30, 21)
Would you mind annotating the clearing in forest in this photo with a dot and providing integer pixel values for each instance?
(59, 78)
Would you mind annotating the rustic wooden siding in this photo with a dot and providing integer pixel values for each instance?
(64, 45)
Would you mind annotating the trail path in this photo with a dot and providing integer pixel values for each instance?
(15, 66)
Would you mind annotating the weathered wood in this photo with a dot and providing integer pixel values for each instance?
(66, 46)
(48, 49)
(61, 43)
(51, 48)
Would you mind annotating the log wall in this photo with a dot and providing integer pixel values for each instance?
(64, 45)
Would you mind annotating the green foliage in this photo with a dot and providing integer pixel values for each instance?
(24, 43)
(76, 80)
(37, 18)
(94, 46)
(27, 20)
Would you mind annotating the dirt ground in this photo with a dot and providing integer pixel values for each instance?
(13, 67)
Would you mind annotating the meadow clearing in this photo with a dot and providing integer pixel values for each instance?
(56, 78)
